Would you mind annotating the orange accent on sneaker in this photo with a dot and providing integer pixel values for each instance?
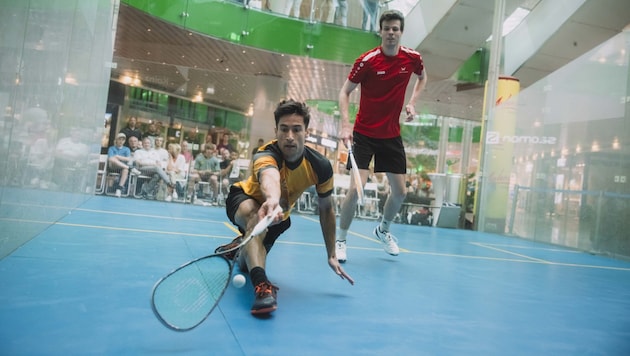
(265, 301)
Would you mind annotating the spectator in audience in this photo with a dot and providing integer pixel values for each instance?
(131, 130)
(118, 157)
(206, 169)
(370, 15)
(260, 143)
(341, 13)
(327, 11)
(152, 132)
(176, 169)
(294, 5)
(186, 152)
(225, 143)
(149, 164)
(208, 140)
(162, 154)
(226, 165)
(230, 171)
(134, 144)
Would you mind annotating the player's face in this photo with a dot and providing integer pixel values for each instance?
(390, 32)
(291, 134)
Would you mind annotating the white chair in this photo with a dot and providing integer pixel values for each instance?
(101, 175)
(111, 176)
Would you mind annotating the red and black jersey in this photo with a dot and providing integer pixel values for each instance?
(383, 82)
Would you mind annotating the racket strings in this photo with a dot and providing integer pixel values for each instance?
(184, 298)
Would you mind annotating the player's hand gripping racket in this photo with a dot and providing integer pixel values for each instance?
(356, 176)
(185, 297)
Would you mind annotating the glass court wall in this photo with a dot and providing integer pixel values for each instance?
(55, 60)
(569, 137)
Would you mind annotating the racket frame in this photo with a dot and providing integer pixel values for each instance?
(258, 229)
(356, 176)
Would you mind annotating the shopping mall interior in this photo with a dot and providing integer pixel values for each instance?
(526, 138)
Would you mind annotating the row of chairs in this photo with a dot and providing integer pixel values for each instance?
(106, 179)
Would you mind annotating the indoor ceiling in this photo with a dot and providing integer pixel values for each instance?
(157, 55)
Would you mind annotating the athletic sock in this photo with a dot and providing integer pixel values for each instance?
(384, 226)
(341, 236)
(258, 275)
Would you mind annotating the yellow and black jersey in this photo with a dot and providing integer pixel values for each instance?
(295, 177)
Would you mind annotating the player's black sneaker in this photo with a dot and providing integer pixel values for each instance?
(265, 301)
(230, 255)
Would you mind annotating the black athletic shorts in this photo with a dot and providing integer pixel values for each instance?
(235, 197)
(389, 153)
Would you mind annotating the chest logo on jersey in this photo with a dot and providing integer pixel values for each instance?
(380, 72)
(403, 70)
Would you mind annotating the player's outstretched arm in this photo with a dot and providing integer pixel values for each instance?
(329, 226)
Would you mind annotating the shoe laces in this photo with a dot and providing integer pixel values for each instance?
(341, 244)
(263, 289)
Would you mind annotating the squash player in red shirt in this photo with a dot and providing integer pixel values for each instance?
(383, 73)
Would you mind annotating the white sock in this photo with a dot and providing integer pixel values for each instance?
(341, 236)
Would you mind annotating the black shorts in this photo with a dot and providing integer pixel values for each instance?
(389, 153)
(234, 199)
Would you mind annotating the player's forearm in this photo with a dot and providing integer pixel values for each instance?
(417, 89)
(270, 184)
(328, 224)
(344, 103)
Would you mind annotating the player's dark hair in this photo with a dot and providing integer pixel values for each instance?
(390, 15)
(290, 106)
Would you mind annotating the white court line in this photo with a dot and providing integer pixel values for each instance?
(160, 232)
(147, 215)
(70, 209)
(526, 259)
(508, 252)
(567, 250)
(365, 237)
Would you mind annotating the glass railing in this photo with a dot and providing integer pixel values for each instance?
(336, 30)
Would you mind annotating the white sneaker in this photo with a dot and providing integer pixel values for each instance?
(135, 171)
(174, 195)
(340, 251)
(168, 198)
(118, 193)
(390, 243)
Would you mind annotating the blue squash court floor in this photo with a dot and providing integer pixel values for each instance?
(83, 286)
